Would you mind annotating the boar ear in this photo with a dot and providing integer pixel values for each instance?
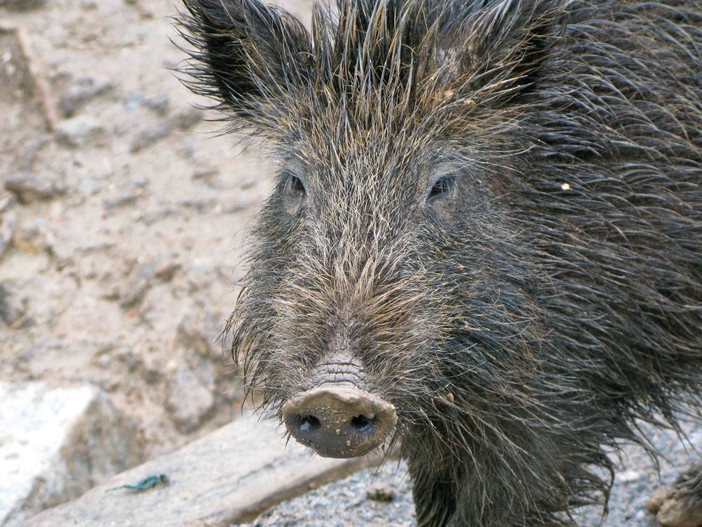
(247, 56)
(506, 45)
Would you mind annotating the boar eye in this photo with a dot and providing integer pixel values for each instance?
(294, 186)
(442, 188)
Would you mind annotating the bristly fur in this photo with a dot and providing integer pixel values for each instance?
(521, 321)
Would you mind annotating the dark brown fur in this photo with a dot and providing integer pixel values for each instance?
(494, 208)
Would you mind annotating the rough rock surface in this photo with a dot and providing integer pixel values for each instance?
(120, 215)
(349, 503)
(228, 476)
(55, 444)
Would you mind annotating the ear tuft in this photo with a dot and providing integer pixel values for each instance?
(497, 50)
(245, 55)
(516, 37)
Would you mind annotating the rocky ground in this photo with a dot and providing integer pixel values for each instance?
(121, 225)
(382, 497)
(120, 215)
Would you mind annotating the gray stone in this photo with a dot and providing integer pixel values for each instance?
(150, 136)
(79, 131)
(55, 444)
(13, 304)
(189, 401)
(82, 90)
(187, 118)
(38, 236)
(22, 5)
(151, 217)
(197, 329)
(158, 103)
(7, 201)
(126, 195)
(8, 220)
(29, 189)
(125, 199)
(143, 277)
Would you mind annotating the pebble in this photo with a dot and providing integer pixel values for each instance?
(151, 135)
(38, 237)
(125, 199)
(158, 103)
(127, 194)
(187, 118)
(13, 304)
(152, 217)
(380, 491)
(143, 277)
(22, 5)
(7, 200)
(201, 206)
(8, 220)
(29, 189)
(205, 174)
(197, 329)
(80, 92)
(30, 152)
(79, 131)
(189, 399)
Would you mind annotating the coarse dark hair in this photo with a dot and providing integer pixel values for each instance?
(492, 210)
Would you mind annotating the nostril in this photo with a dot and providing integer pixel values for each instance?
(339, 420)
(307, 423)
(361, 423)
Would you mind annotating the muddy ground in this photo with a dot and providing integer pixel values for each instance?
(121, 227)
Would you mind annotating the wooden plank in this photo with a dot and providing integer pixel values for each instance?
(227, 477)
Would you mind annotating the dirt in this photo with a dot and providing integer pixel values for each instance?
(122, 215)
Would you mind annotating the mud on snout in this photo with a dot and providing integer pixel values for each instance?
(339, 420)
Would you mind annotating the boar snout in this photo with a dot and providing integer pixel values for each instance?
(339, 420)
